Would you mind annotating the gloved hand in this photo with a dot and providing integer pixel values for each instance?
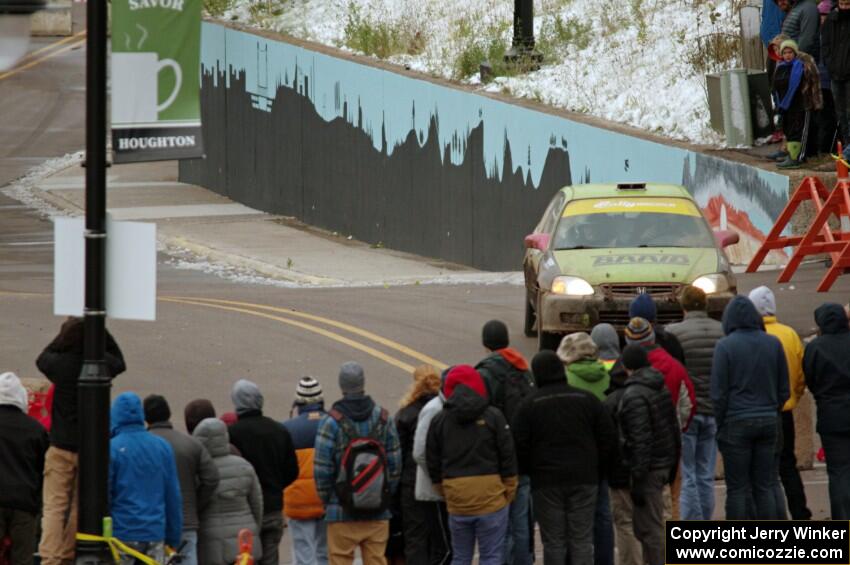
(638, 491)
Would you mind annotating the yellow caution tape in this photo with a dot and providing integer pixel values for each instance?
(117, 547)
(840, 159)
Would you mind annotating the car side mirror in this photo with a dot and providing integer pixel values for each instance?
(725, 238)
(537, 241)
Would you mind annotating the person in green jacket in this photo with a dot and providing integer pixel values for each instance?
(580, 357)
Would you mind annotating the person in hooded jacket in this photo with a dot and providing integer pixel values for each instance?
(828, 378)
(651, 443)
(437, 517)
(606, 339)
(643, 306)
(426, 385)
(23, 444)
(347, 532)
(508, 380)
(585, 371)
(791, 483)
(198, 410)
(471, 458)
(563, 435)
(62, 362)
(749, 386)
(698, 334)
(301, 502)
(144, 488)
(267, 446)
(195, 469)
(235, 504)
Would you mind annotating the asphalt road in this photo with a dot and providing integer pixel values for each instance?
(209, 331)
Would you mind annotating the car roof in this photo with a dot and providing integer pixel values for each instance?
(613, 190)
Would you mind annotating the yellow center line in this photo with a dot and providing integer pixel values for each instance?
(49, 46)
(341, 325)
(304, 326)
(50, 55)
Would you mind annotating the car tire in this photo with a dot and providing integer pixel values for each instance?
(529, 327)
(548, 340)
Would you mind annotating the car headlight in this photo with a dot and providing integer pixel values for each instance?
(711, 284)
(572, 286)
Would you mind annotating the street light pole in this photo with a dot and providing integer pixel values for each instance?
(94, 384)
(522, 49)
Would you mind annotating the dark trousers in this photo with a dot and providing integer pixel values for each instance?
(648, 520)
(603, 527)
(21, 527)
(425, 538)
(791, 482)
(270, 536)
(748, 447)
(836, 447)
(825, 119)
(841, 99)
(565, 516)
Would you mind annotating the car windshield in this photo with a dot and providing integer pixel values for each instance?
(632, 222)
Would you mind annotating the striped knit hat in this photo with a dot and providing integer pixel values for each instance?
(308, 391)
(639, 331)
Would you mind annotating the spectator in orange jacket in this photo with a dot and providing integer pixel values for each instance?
(302, 505)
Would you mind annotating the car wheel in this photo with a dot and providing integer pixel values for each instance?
(529, 328)
(548, 340)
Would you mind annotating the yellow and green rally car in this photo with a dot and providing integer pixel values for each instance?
(598, 246)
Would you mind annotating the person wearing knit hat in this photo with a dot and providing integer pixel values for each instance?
(643, 306)
(789, 79)
(698, 334)
(639, 331)
(196, 472)
(508, 380)
(266, 445)
(301, 503)
(354, 416)
(791, 489)
(23, 444)
(579, 354)
(559, 418)
(471, 458)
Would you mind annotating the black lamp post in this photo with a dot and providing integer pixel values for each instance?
(94, 384)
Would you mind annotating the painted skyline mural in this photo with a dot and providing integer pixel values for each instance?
(362, 150)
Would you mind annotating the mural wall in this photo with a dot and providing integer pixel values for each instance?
(423, 167)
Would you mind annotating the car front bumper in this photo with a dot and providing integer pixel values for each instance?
(558, 313)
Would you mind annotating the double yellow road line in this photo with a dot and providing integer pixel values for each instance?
(47, 52)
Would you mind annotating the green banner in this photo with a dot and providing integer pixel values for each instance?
(155, 80)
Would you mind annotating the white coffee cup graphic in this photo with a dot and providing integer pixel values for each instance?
(135, 87)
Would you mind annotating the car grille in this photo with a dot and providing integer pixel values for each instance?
(620, 319)
(633, 289)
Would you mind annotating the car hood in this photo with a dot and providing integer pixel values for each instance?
(645, 264)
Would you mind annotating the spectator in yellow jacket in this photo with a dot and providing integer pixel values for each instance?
(765, 303)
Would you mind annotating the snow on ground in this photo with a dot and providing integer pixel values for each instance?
(639, 62)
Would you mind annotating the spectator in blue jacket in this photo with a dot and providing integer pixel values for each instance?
(144, 491)
(749, 386)
(772, 15)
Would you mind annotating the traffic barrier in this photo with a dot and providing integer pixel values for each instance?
(819, 237)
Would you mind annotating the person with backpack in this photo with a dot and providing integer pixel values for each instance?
(471, 459)
(301, 502)
(356, 466)
(563, 438)
(266, 445)
(508, 381)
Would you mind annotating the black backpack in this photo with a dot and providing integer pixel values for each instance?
(517, 385)
(362, 483)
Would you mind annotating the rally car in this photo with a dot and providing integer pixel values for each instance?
(598, 246)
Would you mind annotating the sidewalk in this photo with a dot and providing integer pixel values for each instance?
(201, 229)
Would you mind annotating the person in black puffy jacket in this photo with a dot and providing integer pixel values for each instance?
(651, 446)
(828, 377)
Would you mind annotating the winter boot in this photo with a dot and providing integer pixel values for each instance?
(791, 162)
(779, 155)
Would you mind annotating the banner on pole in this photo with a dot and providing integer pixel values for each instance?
(155, 78)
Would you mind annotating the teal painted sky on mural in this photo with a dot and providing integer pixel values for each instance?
(388, 100)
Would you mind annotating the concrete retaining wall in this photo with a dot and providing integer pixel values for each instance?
(421, 165)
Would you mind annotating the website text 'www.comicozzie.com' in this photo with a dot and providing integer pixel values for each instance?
(758, 542)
